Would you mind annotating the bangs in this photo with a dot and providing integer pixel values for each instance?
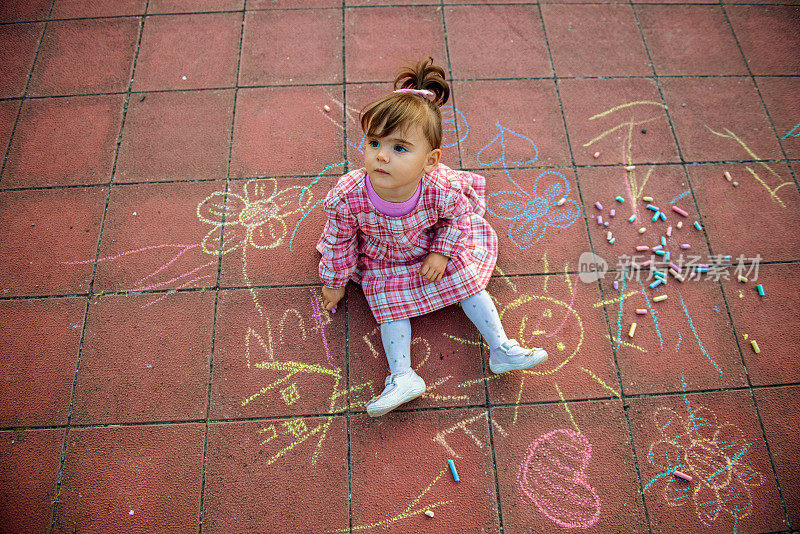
(399, 112)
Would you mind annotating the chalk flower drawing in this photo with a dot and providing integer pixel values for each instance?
(256, 218)
(553, 476)
(531, 212)
(713, 454)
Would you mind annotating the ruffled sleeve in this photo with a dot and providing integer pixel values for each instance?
(453, 228)
(337, 244)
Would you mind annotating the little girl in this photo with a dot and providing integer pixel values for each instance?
(411, 231)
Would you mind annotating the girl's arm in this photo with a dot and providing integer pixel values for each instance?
(337, 244)
(453, 227)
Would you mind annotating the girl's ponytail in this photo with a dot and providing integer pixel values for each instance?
(425, 75)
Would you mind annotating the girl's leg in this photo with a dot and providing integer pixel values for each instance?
(506, 354)
(403, 384)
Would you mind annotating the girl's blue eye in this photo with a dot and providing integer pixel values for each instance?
(373, 143)
(400, 148)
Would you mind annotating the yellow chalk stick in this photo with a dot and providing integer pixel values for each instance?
(755, 346)
(659, 298)
(632, 330)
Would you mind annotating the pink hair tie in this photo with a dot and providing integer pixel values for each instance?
(419, 92)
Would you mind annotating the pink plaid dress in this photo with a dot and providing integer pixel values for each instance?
(384, 254)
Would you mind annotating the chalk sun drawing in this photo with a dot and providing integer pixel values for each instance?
(553, 476)
(530, 213)
(713, 453)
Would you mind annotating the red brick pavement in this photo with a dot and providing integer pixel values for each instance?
(166, 363)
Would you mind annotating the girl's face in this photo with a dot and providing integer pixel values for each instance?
(396, 163)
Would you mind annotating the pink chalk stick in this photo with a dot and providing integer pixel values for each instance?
(642, 248)
(333, 310)
(684, 476)
(599, 219)
(600, 206)
(657, 247)
(676, 209)
(675, 267)
(669, 232)
(647, 263)
(641, 311)
(612, 213)
(686, 245)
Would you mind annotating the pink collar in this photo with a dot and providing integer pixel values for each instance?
(393, 209)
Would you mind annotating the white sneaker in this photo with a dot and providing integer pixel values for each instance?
(399, 388)
(510, 356)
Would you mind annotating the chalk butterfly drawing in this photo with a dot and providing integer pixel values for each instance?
(531, 212)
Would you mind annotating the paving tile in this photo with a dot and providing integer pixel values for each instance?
(379, 41)
(766, 196)
(143, 362)
(52, 232)
(68, 9)
(690, 40)
(291, 47)
(29, 462)
(513, 34)
(668, 186)
(188, 52)
(446, 2)
(18, 45)
(85, 56)
(155, 239)
(260, 146)
(767, 37)
(152, 471)
(271, 231)
(444, 352)
(291, 4)
(267, 475)
(510, 123)
(689, 333)
(183, 6)
(40, 340)
(9, 110)
(723, 119)
(581, 44)
(608, 116)
(22, 10)
(277, 353)
(176, 136)
(784, 110)
(352, 3)
(769, 320)
(569, 325)
(777, 408)
(535, 234)
(386, 454)
(64, 141)
(553, 467)
(716, 439)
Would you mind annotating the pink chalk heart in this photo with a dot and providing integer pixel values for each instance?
(553, 476)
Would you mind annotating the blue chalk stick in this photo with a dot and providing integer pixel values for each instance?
(453, 470)
(660, 252)
(662, 215)
(620, 200)
(655, 217)
(655, 284)
(632, 218)
(651, 207)
(663, 241)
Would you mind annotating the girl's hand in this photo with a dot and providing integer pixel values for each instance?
(433, 267)
(331, 297)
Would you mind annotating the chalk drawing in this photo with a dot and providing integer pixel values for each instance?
(464, 427)
(773, 191)
(712, 453)
(409, 511)
(553, 476)
(794, 132)
(530, 212)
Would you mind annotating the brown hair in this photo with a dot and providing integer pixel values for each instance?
(398, 110)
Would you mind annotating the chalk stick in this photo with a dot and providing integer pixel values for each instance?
(596, 155)
(666, 256)
(561, 201)
(598, 205)
(659, 298)
(727, 175)
(697, 225)
(605, 223)
(647, 199)
(685, 245)
(663, 241)
(755, 346)
(642, 230)
(660, 252)
(641, 311)
(657, 247)
(629, 167)
(742, 279)
(642, 248)
(656, 284)
(679, 211)
(672, 265)
(613, 212)
(326, 107)
(632, 218)
(655, 217)
(662, 215)
(612, 240)
(760, 289)
(735, 184)
(659, 274)
(647, 264)
(679, 225)
(453, 470)
(429, 513)
(599, 219)
(632, 330)
(616, 284)
(652, 208)
(684, 476)
(669, 231)
(333, 310)
(608, 235)
(620, 199)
